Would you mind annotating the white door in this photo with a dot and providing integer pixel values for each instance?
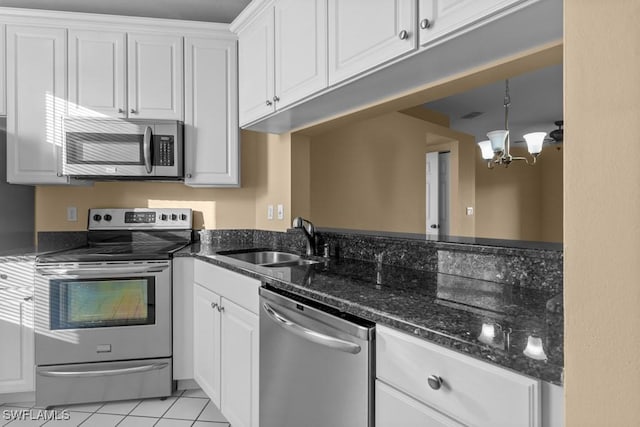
(256, 69)
(97, 73)
(155, 76)
(439, 18)
(16, 330)
(36, 100)
(366, 33)
(240, 338)
(432, 194)
(300, 49)
(443, 193)
(206, 342)
(211, 122)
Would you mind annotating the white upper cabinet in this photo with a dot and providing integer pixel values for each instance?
(36, 99)
(155, 69)
(283, 57)
(256, 69)
(97, 73)
(300, 49)
(366, 33)
(3, 81)
(211, 122)
(439, 18)
(141, 79)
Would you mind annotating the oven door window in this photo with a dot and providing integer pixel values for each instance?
(99, 303)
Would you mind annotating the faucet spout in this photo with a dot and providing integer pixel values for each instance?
(309, 233)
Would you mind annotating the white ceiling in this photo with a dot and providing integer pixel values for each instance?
(193, 10)
(536, 102)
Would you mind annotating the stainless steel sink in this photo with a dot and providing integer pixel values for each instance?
(267, 258)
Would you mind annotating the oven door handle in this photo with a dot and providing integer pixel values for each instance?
(311, 335)
(104, 372)
(99, 271)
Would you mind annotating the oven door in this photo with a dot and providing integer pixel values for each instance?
(97, 312)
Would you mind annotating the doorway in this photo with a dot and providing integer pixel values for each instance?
(438, 193)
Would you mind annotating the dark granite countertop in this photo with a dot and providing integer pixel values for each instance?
(445, 309)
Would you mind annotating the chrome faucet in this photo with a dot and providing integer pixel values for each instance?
(309, 233)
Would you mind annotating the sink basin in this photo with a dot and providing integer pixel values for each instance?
(267, 258)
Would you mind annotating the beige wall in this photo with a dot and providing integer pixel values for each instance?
(521, 202)
(265, 179)
(601, 221)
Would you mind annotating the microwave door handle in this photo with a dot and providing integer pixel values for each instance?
(146, 146)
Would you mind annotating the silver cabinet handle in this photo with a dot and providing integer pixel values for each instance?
(29, 298)
(269, 103)
(102, 373)
(425, 24)
(435, 382)
(120, 111)
(220, 309)
(276, 99)
(133, 111)
(146, 146)
(189, 175)
(308, 334)
(214, 305)
(404, 34)
(3, 276)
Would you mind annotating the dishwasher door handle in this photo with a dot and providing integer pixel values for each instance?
(311, 335)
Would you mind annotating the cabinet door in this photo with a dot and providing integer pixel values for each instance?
(3, 81)
(17, 351)
(97, 73)
(239, 365)
(206, 342)
(394, 408)
(155, 65)
(300, 49)
(211, 113)
(366, 33)
(36, 98)
(439, 18)
(255, 58)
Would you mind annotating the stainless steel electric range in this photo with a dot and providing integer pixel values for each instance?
(103, 311)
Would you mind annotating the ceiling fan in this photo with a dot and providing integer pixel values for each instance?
(554, 137)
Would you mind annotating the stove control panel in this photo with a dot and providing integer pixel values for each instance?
(140, 219)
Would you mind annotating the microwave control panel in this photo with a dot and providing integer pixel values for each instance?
(164, 154)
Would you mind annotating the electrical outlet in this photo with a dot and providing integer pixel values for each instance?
(72, 213)
(280, 211)
(469, 211)
(270, 212)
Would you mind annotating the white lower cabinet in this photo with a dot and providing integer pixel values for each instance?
(431, 385)
(225, 341)
(394, 408)
(16, 327)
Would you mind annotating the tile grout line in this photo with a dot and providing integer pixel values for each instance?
(128, 413)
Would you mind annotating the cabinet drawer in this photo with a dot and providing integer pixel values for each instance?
(16, 274)
(472, 392)
(233, 286)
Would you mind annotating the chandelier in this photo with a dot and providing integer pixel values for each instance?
(496, 149)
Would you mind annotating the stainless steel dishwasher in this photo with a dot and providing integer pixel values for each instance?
(316, 364)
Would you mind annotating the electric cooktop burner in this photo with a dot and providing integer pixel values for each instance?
(129, 234)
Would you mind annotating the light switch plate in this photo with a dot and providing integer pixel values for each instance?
(280, 211)
(270, 212)
(469, 211)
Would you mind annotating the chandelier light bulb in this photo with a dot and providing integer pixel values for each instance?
(534, 141)
(485, 148)
(498, 138)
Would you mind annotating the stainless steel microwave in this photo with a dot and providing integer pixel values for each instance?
(122, 149)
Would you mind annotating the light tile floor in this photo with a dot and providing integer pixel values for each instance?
(186, 408)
